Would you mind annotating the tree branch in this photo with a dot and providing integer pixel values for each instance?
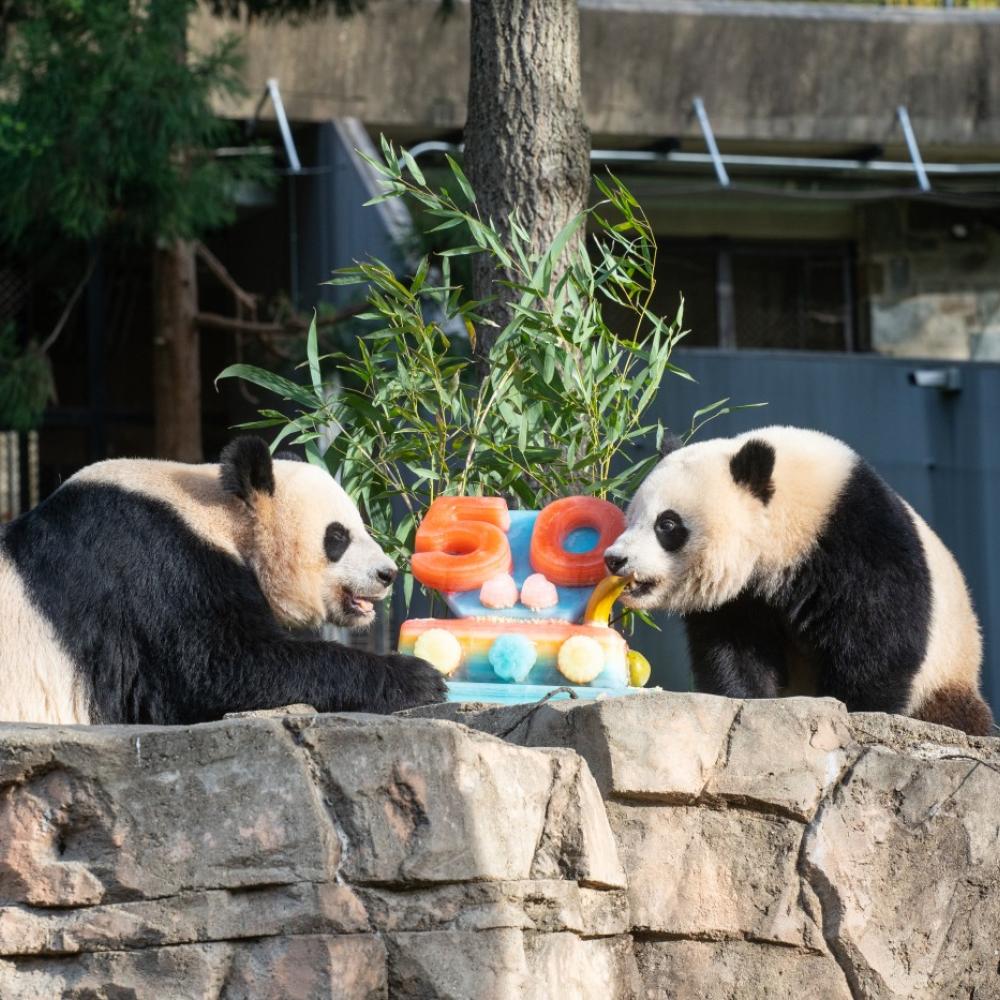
(295, 324)
(50, 340)
(224, 277)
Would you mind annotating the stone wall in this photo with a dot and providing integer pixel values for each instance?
(659, 845)
(929, 275)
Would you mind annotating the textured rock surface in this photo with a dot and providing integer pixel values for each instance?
(780, 849)
(293, 855)
(735, 970)
(675, 846)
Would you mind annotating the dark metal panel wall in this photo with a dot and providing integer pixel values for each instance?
(940, 449)
(334, 226)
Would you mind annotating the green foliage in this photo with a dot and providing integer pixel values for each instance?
(26, 384)
(298, 10)
(104, 123)
(563, 404)
(269, 10)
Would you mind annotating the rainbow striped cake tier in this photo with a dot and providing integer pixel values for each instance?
(478, 636)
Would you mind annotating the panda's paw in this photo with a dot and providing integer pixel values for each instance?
(411, 682)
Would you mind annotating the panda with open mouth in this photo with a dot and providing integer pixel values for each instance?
(798, 570)
(157, 592)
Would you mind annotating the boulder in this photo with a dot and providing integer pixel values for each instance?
(110, 814)
(737, 970)
(653, 845)
(509, 965)
(349, 967)
(779, 847)
(905, 861)
(773, 756)
(423, 801)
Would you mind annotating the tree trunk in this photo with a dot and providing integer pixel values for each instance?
(176, 355)
(526, 144)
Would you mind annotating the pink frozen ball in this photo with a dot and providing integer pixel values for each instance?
(498, 591)
(539, 593)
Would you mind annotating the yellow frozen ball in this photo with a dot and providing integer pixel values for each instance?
(638, 669)
(580, 659)
(440, 649)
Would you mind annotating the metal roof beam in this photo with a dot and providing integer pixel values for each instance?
(806, 163)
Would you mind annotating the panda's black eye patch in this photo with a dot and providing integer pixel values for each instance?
(671, 531)
(336, 540)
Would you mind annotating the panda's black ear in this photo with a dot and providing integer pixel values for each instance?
(752, 467)
(670, 443)
(246, 468)
(287, 456)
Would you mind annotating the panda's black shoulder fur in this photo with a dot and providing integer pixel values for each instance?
(860, 602)
(165, 628)
(863, 597)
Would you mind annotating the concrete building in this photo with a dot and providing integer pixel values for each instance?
(815, 230)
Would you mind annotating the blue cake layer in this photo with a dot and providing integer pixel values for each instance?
(522, 694)
(572, 600)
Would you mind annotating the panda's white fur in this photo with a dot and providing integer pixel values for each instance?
(734, 537)
(148, 591)
(279, 535)
(954, 646)
(38, 680)
(756, 541)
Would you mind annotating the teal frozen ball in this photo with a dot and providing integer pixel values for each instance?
(512, 657)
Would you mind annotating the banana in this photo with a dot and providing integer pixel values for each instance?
(602, 600)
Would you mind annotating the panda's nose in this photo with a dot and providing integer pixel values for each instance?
(614, 563)
(387, 574)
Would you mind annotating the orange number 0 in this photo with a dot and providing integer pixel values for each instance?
(556, 522)
(462, 542)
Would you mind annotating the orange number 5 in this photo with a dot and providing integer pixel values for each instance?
(462, 542)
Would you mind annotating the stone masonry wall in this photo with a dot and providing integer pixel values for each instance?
(657, 845)
(929, 281)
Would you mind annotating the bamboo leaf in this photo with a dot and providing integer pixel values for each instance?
(461, 251)
(312, 353)
(463, 181)
(277, 384)
(413, 168)
(447, 224)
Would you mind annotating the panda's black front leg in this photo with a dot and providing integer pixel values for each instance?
(866, 676)
(737, 650)
(267, 671)
(408, 682)
(336, 678)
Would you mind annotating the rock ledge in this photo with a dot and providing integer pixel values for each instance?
(660, 845)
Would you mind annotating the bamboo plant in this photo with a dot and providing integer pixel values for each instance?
(562, 404)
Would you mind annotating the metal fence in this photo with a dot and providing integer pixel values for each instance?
(19, 489)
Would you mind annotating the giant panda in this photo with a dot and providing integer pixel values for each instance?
(158, 592)
(798, 570)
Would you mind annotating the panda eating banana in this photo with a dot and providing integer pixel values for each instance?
(797, 569)
(156, 592)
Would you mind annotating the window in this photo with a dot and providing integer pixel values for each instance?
(762, 294)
